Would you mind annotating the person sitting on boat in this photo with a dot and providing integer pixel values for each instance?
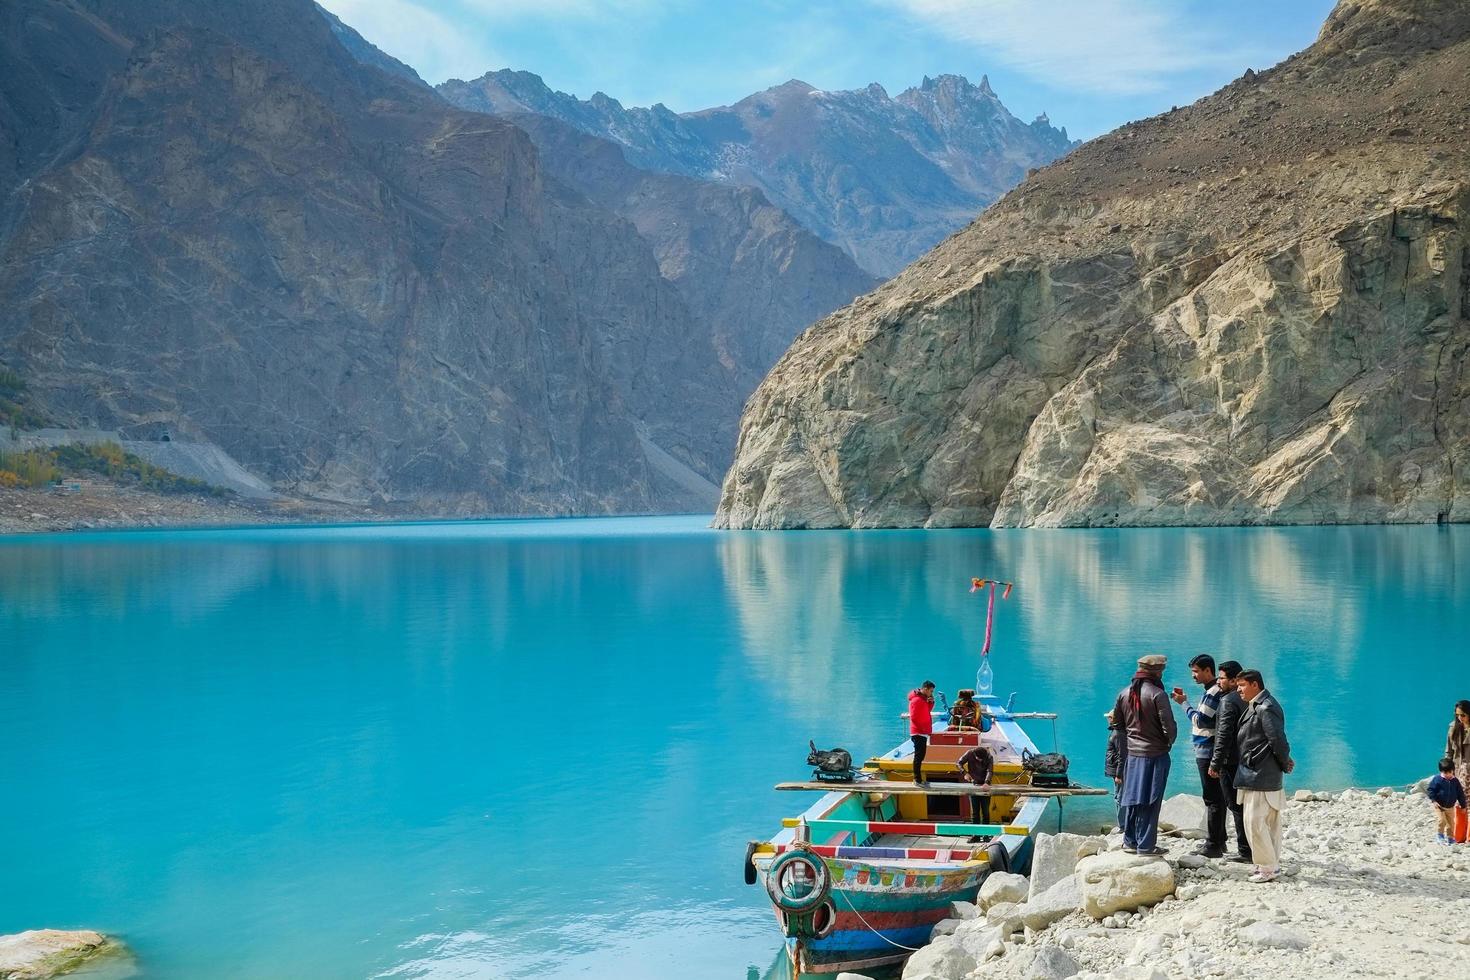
(921, 725)
(1144, 711)
(966, 714)
(977, 764)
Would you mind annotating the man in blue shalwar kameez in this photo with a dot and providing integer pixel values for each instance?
(1148, 719)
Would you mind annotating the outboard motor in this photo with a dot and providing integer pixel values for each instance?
(832, 765)
(1048, 769)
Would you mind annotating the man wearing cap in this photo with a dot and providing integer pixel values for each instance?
(1144, 712)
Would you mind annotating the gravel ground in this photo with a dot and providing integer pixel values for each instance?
(1366, 892)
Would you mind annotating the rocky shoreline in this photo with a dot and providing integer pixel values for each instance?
(1366, 892)
(103, 505)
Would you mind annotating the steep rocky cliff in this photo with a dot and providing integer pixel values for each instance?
(215, 222)
(883, 178)
(1249, 310)
(741, 265)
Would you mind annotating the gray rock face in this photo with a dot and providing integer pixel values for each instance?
(883, 178)
(354, 290)
(1253, 310)
(740, 264)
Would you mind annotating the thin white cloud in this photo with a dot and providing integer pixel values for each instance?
(414, 34)
(1105, 47)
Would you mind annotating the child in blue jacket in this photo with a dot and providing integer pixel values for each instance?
(1446, 793)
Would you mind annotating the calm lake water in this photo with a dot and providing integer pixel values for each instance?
(537, 749)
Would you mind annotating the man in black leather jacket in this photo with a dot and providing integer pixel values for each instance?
(1265, 758)
(1224, 758)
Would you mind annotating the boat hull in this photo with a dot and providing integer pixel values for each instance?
(884, 913)
(895, 862)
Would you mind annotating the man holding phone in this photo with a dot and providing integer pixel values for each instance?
(1202, 733)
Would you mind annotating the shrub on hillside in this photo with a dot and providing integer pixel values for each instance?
(38, 467)
(111, 460)
(14, 412)
(32, 468)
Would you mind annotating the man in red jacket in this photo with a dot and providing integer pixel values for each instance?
(921, 726)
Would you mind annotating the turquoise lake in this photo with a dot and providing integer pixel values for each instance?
(537, 749)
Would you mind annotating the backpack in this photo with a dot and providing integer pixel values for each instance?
(833, 765)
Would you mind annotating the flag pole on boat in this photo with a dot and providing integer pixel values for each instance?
(985, 677)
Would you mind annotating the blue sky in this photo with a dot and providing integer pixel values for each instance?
(1090, 64)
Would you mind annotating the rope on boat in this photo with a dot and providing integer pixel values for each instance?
(853, 909)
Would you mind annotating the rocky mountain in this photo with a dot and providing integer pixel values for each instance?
(216, 223)
(883, 178)
(741, 265)
(364, 51)
(1254, 309)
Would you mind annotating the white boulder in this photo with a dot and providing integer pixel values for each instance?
(977, 939)
(1116, 881)
(1061, 898)
(963, 910)
(41, 953)
(1185, 814)
(1006, 917)
(1055, 856)
(944, 957)
(1051, 963)
(1148, 949)
(1002, 887)
(1269, 935)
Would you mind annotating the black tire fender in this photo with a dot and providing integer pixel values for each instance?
(1000, 858)
(750, 863)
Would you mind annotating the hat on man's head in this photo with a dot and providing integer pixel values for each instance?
(1153, 661)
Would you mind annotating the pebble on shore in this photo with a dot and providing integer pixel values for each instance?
(38, 954)
(1366, 891)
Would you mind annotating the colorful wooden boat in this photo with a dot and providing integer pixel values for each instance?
(861, 877)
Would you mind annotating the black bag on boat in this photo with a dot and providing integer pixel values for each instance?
(1047, 769)
(833, 765)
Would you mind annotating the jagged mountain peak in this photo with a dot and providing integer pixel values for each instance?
(957, 85)
(881, 177)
